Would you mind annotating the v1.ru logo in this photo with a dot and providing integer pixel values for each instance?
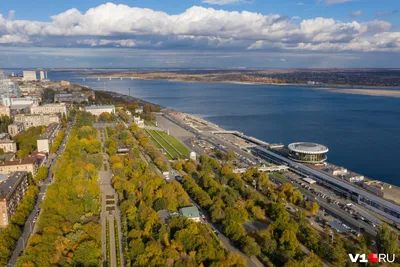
(371, 257)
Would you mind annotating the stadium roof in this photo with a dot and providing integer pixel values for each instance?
(308, 148)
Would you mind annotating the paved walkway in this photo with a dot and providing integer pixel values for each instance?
(109, 209)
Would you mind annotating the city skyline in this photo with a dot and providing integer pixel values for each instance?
(207, 33)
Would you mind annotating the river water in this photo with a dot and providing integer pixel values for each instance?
(362, 132)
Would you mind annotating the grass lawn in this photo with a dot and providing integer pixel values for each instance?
(158, 145)
(178, 145)
(173, 146)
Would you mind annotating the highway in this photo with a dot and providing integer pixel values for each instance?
(30, 227)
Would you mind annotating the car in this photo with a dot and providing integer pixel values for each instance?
(216, 232)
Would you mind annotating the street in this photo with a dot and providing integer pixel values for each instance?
(30, 227)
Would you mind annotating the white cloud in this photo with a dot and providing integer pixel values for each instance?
(300, 3)
(224, 2)
(11, 15)
(105, 42)
(13, 39)
(331, 2)
(112, 25)
(356, 13)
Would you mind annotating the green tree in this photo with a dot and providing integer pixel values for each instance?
(386, 240)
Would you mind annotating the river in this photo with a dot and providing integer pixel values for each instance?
(362, 132)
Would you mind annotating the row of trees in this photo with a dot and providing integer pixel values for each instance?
(151, 241)
(57, 142)
(68, 230)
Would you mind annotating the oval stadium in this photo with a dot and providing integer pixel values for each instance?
(308, 152)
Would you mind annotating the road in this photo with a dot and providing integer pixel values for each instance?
(109, 208)
(30, 227)
(336, 211)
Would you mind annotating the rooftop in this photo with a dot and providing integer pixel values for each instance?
(189, 212)
(100, 107)
(49, 131)
(8, 185)
(309, 148)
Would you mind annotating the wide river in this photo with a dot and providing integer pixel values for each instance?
(362, 132)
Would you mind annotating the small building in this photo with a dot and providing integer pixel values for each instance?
(8, 146)
(12, 191)
(97, 110)
(47, 138)
(309, 180)
(138, 121)
(193, 156)
(139, 110)
(122, 150)
(15, 128)
(191, 213)
(336, 171)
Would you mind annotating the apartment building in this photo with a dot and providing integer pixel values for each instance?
(12, 190)
(15, 128)
(33, 120)
(28, 164)
(50, 109)
(8, 146)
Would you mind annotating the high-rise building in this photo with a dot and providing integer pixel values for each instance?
(29, 75)
(41, 74)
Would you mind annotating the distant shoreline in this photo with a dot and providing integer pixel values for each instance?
(367, 92)
(350, 87)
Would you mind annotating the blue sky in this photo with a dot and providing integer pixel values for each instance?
(204, 33)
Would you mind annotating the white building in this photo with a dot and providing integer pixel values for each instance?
(20, 101)
(47, 138)
(50, 109)
(138, 121)
(41, 75)
(193, 155)
(33, 120)
(8, 146)
(139, 110)
(97, 110)
(29, 75)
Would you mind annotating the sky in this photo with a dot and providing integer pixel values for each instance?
(200, 33)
